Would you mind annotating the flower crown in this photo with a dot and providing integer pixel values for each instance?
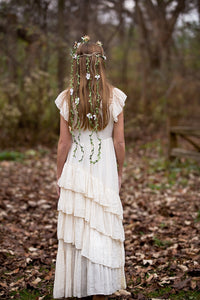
(74, 99)
(85, 39)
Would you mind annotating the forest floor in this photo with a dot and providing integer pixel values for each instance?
(161, 221)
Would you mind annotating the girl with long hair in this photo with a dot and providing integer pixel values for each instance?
(91, 149)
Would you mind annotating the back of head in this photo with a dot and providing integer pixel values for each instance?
(89, 93)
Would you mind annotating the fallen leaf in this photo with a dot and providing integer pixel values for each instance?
(36, 281)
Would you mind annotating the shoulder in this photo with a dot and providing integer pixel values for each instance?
(119, 94)
(62, 104)
(61, 98)
(118, 102)
(62, 95)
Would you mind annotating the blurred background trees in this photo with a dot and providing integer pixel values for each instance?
(152, 50)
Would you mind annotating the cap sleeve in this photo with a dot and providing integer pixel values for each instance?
(62, 105)
(119, 99)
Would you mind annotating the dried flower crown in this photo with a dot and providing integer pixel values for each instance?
(74, 99)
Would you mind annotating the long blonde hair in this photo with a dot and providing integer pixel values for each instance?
(91, 54)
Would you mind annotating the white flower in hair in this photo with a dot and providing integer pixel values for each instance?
(77, 100)
(99, 43)
(94, 117)
(71, 91)
(97, 76)
(85, 38)
(75, 56)
(76, 45)
(104, 57)
(87, 76)
(89, 115)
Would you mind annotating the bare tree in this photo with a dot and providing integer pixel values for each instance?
(60, 47)
(156, 21)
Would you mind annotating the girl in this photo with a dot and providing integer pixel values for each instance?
(91, 150)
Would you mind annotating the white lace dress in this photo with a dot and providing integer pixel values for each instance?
(91, 257)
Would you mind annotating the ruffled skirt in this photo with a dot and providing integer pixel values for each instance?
(90, 258)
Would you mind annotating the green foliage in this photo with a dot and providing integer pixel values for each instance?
(186, 295)
(19, 156)
(197, 219)
(167, 291)
(28, 295)
(9, 117)
(157, 145)
(160, 243)
(12, 155)
(160, 292)
(176, 171)
(29, 111)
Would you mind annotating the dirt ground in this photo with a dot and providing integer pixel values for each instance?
(161, 204)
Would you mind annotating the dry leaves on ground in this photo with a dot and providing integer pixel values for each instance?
(161, 222)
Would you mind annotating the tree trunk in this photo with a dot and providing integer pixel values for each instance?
(85, 9)
(61, 53)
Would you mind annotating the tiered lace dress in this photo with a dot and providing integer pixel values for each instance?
(91, 257)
